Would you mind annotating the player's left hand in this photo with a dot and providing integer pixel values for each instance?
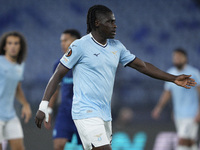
(26, 112)
(185, 81)
(197, 118)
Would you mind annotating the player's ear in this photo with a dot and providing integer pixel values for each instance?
(96, 23)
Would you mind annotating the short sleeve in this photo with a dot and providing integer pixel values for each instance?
(72, 56)
(125, 56)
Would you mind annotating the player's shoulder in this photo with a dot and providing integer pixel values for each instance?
(2, 61)
(192, 68)
(80, 42)
(1, 57)
(22, 65)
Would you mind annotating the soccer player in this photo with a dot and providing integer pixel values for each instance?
(185, 102)
(12, 55)
(94, 59)
(64, 125)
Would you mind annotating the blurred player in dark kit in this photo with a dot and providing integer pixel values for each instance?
(64, 125)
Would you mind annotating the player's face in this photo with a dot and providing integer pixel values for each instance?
(106, 25)
(179, 60)
(12, 46)
(66, 40)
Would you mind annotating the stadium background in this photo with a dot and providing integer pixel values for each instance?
(149, 29)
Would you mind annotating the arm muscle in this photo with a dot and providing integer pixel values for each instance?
(151, 70)
(54, 81)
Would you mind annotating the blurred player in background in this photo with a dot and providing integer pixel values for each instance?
(94, 60)
(64, 125)
(12, 55)
(185, 102)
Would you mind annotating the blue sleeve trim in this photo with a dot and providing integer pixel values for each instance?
(65, 66)
(130, 62)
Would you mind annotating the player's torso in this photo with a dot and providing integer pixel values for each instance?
(96, 70)
(10, 72)
(94, 76)
(185, 100)
(10, 75)
(100, 59)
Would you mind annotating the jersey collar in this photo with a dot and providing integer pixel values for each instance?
(185, 67)
(98, 42)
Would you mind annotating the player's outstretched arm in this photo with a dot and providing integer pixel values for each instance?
(49, 91)
(152, 71)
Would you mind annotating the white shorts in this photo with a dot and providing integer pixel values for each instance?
(94, 132)
(187, 128)
(10, 129)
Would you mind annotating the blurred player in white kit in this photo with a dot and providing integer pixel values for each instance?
(185, 102)
(12, 55)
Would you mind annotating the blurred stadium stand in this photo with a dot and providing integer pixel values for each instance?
(149, 29)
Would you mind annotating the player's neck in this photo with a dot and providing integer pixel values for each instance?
(11, 59)
(99, 38)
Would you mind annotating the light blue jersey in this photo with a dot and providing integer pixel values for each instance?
(185, 101)
(94, 67)
(10, 75)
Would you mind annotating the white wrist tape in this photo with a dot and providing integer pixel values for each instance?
(50, 110)
(44, 108)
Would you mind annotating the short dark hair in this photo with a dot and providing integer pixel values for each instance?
(23, 46)
(73, 33)
(92, 15)
(181, 50)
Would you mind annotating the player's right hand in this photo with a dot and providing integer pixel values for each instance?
(48, 124)
(42, 113)
(185, 81)
(39, 118)
(156, 113)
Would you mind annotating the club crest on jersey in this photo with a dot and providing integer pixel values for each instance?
(69, 52)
